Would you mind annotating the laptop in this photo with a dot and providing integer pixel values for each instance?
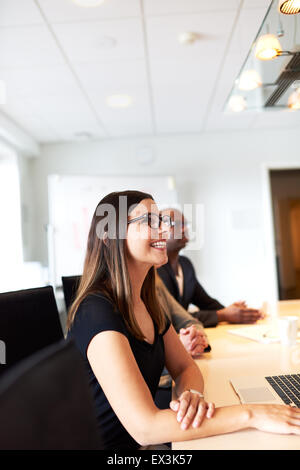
(280, 389)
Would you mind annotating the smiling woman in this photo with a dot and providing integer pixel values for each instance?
(126, 339)
(106, 266)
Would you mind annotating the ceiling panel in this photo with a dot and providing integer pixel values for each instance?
(183, 77)
(26, 46)
(213, 30)
(58, 11)
(16, 13)
(130, 77)
(52, 94)
(181, 91)
(101, 40)
(68, 116)
(111, 76)
(29, 121)
(132, 121)
(178, 110)
(37, 82)
(264, 4)
(60, 61)
(163, 7)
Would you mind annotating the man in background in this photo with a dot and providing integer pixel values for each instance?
(180, 279)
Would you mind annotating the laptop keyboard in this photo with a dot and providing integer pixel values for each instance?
(287, 387)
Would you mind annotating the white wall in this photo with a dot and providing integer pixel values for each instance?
(221, 170)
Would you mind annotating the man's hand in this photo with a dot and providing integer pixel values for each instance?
(193, 339)
(238, 312)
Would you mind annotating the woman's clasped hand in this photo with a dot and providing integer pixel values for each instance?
(191, 409)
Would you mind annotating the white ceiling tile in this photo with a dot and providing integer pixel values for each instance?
(263, 4)
(107, 76)
(84, 42)
(213, 30)
(16, 12)
(133, 120)
(185, 72)
(130, 78)
(162, 7)
(68, 10)
(181, 109)
(52, 95)
(28, 47)
(20, 111)
(39, 81)
(67, 112)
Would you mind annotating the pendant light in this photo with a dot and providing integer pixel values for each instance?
(267, 47)
(289, 7)
(249, 80)
(237, 103)
(119, 101)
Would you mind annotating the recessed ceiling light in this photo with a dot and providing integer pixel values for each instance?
(88, 3)
(237, 103)
(119, 101)
(289, 7)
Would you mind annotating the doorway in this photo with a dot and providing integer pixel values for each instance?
(285, 191)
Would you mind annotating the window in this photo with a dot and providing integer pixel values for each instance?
(11, 254)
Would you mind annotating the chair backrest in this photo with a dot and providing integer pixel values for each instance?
(46, 403)
(70, 285)
(29, 321)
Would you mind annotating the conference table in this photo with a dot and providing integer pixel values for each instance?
(234, 356)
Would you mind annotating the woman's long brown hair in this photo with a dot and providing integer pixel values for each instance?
(105, 268)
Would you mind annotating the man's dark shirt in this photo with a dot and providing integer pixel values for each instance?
(193, 292)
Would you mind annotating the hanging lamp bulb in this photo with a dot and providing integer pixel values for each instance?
(249, 80)
(289, 7)
(237, 103)
(267, 47)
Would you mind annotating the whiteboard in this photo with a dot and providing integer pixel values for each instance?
(72, 202)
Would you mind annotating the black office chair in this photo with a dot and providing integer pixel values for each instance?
(29, 321)
(70, 286)
(46, 403)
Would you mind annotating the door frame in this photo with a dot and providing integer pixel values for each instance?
(268, 226)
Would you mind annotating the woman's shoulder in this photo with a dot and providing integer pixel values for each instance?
(97, 299)
(97, 308)
(96, 313)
